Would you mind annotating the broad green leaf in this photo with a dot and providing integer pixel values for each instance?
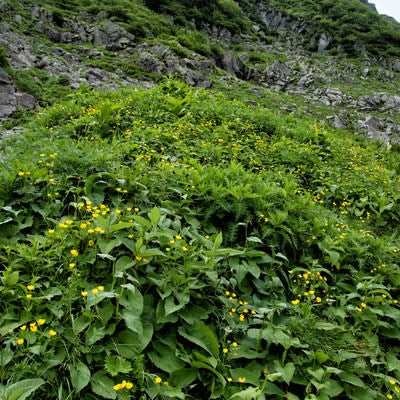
(121, 225)
(81, 323)
(102, 385)
(22, 390)
(321, 357)
(252, 375)
(333, 388)
(132, 321)
(115, 365)
(317, 373)
(352, 379)
(251, 393)
(286, 372)
(200, 334)
(182, 377)
(170, 306)
(106, 246)
(6, 355)
(123, 263)
(131, 299)
(155, 216)
(80, 375)
(218, 241)
(165, 358)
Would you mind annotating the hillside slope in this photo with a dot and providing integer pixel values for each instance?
(50, 51)
(188, 210)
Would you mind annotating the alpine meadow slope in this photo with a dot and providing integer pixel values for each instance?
(202, 228)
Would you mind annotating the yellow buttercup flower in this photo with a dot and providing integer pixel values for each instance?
(41, 321)
(20, 342)
(74, 253)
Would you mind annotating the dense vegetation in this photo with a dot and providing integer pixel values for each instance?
(172, 243)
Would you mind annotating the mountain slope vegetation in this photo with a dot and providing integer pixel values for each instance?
(173, 242)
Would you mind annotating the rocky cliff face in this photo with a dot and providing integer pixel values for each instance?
(72, 49)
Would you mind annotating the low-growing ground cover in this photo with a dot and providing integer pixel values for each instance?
(171, 243)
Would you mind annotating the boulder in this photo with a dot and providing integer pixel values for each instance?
(8, 103)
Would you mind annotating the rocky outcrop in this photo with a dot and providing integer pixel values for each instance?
(159, 59)
(8, 103)
(10, 99)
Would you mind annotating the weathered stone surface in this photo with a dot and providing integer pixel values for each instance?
(25, 101)
(8, 102)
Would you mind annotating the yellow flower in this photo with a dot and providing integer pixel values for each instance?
(21, 173)
(23, 328)
(74, 253)
(52, 332)
(136, 209)
(241, 317)
(129, 385)
(91, 230)
(20, 342)
(178, 237)
(90, 243)
(392, 382)
(41, 321)
(95, 291)
(184, 248)
(69, 222)
(51, 231)
(28, 296)
(83, 226)
(234, 344)
(318, 299)
(30, 287)
(389, 396)
(227, 293)
(158, 380)
(100, 288)
(225, 350)
(71, 265)
(33, 327)
(242, 380)
(295, 302)
(229, 379)
(363, 305)
(84, 293)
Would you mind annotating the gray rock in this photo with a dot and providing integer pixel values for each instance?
(235, 66)
(323, 43)
(25, 101)
(8, 102)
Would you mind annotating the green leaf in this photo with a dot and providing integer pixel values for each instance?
(22, 390)
(80, 375)
(183, 377)
(102, 385)
(155, 216)
(124, 263)
(352, 379)
(106, 246)
(251, 393)
(170, 306)
(200, 334)
(317, 373)
(115, 365)
(121, 225)
(321, 357)
(286, 372)
(218, 241)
